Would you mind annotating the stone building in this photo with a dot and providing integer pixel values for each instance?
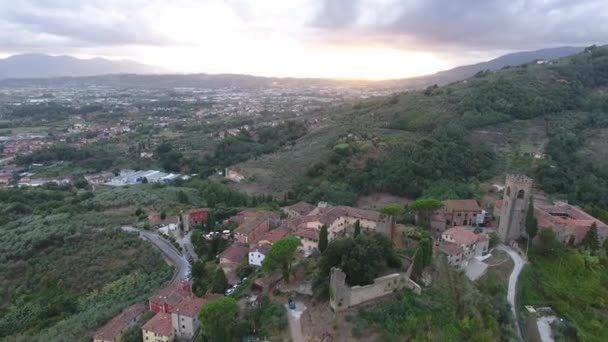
(516, 200)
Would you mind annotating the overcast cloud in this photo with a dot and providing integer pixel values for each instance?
(447, 28)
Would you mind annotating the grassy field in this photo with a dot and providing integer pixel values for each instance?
(577, 291)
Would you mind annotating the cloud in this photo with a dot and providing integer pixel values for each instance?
(72, 23)
(464, 24)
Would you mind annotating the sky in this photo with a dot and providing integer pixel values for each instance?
(369, 39)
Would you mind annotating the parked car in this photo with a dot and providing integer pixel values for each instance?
(291, 303)
(229, 291)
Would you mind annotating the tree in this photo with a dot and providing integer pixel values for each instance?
(323, 238)
(424, 207)
(281, 256)
(393, 209)
(591, 239)
(548, 244)
(182, 197)
(494, 239)
(357, 228)
(531, 224)
(218, 319)
(424, 255)
(220, 283)
(163, 215)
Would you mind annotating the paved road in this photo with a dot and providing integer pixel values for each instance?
(295, 326)
(544, 328)
(517, 268)
(181, 264)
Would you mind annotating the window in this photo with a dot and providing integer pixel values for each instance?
(520, 194)
(183, 327)
(508, 191)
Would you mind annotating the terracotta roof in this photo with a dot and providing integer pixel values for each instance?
(302, 208)
(260, 248)
(461, 205)
(274, 235)
(160, 324)
(115, 327)
(171, 294)
(235, 253)
(450, 248)
(363, 214)
(330, 216)
(461, 235)
(308, 233)
(190, 306)
(251, 225)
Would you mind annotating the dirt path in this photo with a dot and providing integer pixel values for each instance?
(295, 326)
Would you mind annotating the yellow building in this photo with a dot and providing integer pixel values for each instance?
(158, 329)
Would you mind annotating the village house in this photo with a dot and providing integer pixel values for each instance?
(99, 178)
(112, 331)
(184, 318)
(234, 176)
(170, 296)
(231, 258)
(456, 213)
(461, 244)
(257, 254)
(194, 217)
(309, 239)
(570, 223)
(253, 224)
(258, 251)
(158, 329)
(298, 209)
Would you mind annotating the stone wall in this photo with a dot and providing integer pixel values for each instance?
(343, 296)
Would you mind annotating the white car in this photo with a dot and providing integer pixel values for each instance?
(229, 291)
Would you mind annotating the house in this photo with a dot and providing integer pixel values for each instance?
(461, 244)
(309, 239)
(273, 236)
(170, 296)
(158, 329)
(253, 224)
(231, 258)
(99, 178)
(184, 318)
(194, 217)
(455, 213)
(112, 331)
(257, 254)
(570, 223)
(298, 209)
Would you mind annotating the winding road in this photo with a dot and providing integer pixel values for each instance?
(518, 266)
(173, 255)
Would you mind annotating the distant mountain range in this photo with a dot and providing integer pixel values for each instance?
(40, 67)
(45, 66)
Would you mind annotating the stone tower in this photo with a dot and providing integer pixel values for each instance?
(515, 203)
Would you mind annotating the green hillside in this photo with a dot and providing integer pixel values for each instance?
(434, 140)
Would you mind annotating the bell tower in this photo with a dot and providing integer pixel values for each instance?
(515, 203)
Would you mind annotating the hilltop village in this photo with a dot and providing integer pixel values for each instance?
(465, 233)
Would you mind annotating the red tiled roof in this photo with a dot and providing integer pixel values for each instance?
(275, 235)
(301, 208)
(171, 294)
(363, 214)
(160, 324)
(190, 306)
(449, 248)
(461, 235)
(115, 327)
(308, 233)
(461, 205)
(260, 248)
(251, 225)
(235, 253)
